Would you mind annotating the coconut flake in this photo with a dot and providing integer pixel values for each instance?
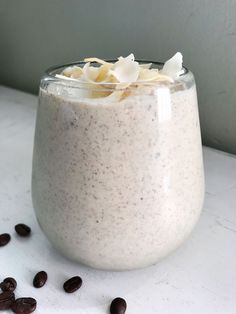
(94, 59)
(68, 71)
(145, 65)
(76, 72)
(61, 76)
(90, 73)
(103, 73)
(123, 73)
(129, 57)
(126, 70)
(173, 67)
(147, 75)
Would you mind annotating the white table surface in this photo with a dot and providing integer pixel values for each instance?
(199, 278)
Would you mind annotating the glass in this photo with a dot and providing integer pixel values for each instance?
(117, 179)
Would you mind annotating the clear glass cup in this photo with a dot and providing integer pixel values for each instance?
(117, 179)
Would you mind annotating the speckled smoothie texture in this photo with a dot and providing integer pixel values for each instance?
(118, 184)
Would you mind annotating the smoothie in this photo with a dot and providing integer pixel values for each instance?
(118, 180)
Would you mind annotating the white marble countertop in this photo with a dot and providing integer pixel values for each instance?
(200, 277)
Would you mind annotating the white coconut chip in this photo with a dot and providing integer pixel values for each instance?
(114, 79)
(61, 76)
(73, 71)
(94, 59)
(130, 57)
(173, 67)
(147, 75)
(90, 73)
(103, 73)
(145, 65)
(126, 70)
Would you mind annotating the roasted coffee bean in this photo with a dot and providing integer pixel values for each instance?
(8, 284)
(24, 306)
(6, 300)
(4, 239)
(40, 279)
(118, 306)
(72, 284)
(22, 230)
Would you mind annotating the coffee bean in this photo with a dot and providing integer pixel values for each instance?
(8, 284)
(72, 284)
(24, 306)
(22, 230)
(4, 239)
(40, 279)
(118, 306)
(6, 300)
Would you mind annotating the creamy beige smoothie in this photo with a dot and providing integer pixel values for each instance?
(118, 180)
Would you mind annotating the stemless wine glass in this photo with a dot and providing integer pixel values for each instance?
(117, 178)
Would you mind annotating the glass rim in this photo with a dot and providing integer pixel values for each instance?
(51, 72)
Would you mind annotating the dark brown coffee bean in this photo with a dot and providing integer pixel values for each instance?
(6, 300)
(118, 306)
(24, 306)
(4, 239)
(8, 284)
(72, 284)
(22, 230)
(40, 279)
